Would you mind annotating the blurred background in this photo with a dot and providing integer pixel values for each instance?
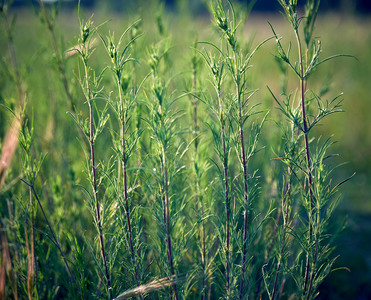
(344, 26)
(199, 6)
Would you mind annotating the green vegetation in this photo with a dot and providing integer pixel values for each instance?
(164, 156)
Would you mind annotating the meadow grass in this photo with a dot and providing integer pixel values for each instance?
(189, 164)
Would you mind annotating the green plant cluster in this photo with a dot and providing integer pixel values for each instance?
(167, 178)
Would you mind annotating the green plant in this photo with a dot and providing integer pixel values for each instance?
(90, 84)
(162, 123)
(125, 147)
(307, 176)
(183, 196)
(238, 64)
(32, 167)
(233, 112)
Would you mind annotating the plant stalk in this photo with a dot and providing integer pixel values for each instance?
(166, 216)
(246, 195)
(53, 237)
(94, 171)
(197, 189)
(285, 220)
(124, 178)
(30, 252)
(307, 155)
(314, 259)
(227, 210)
(226, 195)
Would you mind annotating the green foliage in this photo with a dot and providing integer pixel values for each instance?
(169, 182)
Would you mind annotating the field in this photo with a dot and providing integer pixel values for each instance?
(161, 155)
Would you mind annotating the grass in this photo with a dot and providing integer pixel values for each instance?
(177, 176)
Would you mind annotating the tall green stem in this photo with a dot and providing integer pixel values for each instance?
(166, 216)
(94, 171)
(226, 192)
(197, 184)
(227, 209)
(125, 185)
(286, 197)
(246, 190)
(307, 155)
(53, 236)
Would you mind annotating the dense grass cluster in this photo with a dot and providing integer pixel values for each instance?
(168, 177)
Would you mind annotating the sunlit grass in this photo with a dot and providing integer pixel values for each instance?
(151, 176)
